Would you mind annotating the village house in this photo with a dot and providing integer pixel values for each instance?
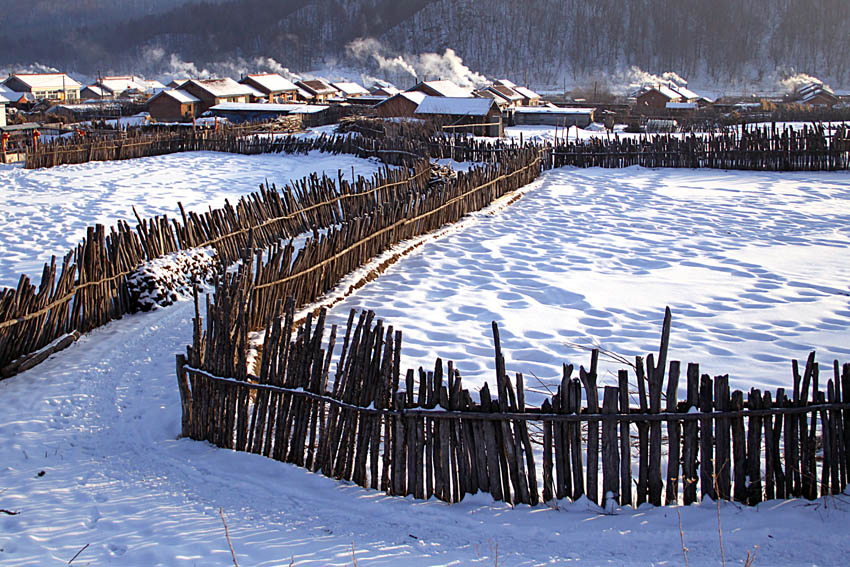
(401, 105)
(816, 94)
(478, 116)
(384, 90)
(45, 86)
(173, 105)
(211, 92)
(441, 88)
(504, 96)
(655, 98)
(273, 86)
(305, 114)
(319, 90)
(529, 97)
(95, 92)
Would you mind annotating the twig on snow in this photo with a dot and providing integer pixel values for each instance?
(227, 535)
(682, 535)
(78, 553)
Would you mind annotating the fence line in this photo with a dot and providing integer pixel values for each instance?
(93, 274)
(384, 429)
(90, 288)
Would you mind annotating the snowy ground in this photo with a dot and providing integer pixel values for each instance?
(46, 211)
(755, 267)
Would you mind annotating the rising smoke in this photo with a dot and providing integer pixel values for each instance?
(418, 67)
(162, 64)
(791, 81)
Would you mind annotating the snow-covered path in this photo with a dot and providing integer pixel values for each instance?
(101, 421)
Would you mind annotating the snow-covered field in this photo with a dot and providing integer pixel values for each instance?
(46, 211)
(754, 266)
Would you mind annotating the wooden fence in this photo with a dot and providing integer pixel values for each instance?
(90, 289)
(760, 149)
(424, 434)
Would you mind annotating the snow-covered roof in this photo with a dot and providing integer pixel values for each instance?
(269, 107)
(3, 99)
(455, 106)
(415, 96)
(123, 83)
(527, 93)
(812, 91)
(350, 88)
(682, 105)
(178, 95)
(153, 85)
(384, 90)
(97, 90)
(83, 107)
(304, 94)
(317, 87)
(664, 90)
(505, 83)
(505, 92)
(273, 82)
(221, 88)
(684, 92)
(445, 89)
(56, 81)
(552, 110)
(254, 92)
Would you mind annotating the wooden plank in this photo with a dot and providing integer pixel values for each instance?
(754, 484)
(674, 435)
(625, 440)
(706, 440)
(690, 439)
(643, 435)
(723, 439)
(610, 448)
(588, 379)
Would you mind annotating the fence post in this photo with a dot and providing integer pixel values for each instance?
(185, 396)
(610, 449)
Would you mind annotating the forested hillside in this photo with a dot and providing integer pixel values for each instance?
(545, 40)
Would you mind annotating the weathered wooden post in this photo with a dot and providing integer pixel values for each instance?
(185, 396)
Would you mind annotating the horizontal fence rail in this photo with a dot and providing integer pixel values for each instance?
(423, 434)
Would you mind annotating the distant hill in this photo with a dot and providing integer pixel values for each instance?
(544, 40)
